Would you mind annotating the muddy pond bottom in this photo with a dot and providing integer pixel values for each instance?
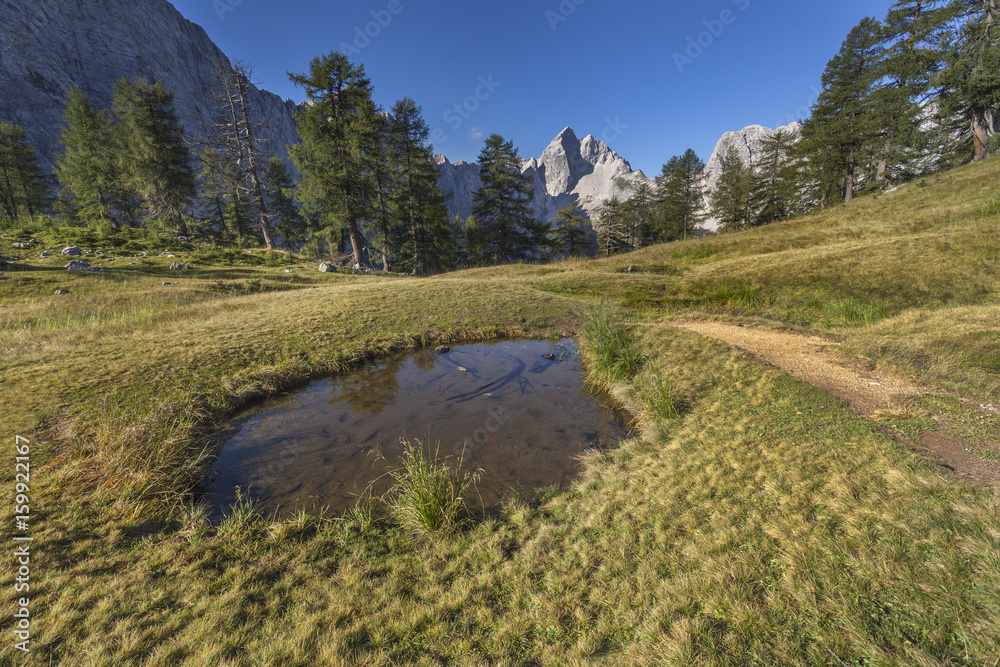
(519, 411)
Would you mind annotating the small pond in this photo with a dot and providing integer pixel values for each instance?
(518, 410)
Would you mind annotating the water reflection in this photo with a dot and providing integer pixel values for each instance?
(518, 410)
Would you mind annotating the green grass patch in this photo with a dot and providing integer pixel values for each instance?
(854, 312)
(430, 496)
(610, 347)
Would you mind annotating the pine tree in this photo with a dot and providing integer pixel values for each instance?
(971, 81)
(844, 127)
(331, 159)
(571, 234)
(502, 207)
(730, 201)
(280, 190)
(22, 189)
(777, 183)
(152, 158)
(679, 191)
(428, 244)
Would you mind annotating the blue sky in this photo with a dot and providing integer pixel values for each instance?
(651, 78)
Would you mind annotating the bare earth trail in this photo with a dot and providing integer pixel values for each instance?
(866, 389)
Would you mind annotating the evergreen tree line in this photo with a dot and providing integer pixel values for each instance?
(905, 96)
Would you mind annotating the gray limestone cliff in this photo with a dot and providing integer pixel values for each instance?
(748, 142)
(48, 45)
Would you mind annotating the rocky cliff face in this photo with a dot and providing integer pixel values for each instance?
(748, 142)
(570, 169)
(48, 45)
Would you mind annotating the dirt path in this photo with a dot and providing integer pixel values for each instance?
(866, 389)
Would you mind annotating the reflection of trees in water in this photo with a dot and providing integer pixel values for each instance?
(370, 391)
(425, 360)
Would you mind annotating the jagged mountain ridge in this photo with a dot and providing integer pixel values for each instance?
(570, 169)
(46, 47)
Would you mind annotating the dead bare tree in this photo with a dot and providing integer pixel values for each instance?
(239, 136)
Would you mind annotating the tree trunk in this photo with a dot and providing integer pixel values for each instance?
(883, 164)
(979, 135)
(252, 175)
(849, 186)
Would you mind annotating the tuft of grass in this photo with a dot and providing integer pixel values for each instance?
(429, 496)
(854, 312)
(610, 346)
(245, 520)
(735, 295)
(991, 209)
(660, 398)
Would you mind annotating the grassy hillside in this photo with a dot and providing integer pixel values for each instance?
(754, 519)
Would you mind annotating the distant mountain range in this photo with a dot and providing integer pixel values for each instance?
(47, 46)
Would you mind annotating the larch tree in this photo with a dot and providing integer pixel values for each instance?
(777, 182)
(971, 81)
(502, 207)
(571, 234)
(280, 189)
(22, 189)
(427, 238)
(152, 158)
(333, 165)
(843, 125)
(86, 167)
(681, 196)
(730, 201)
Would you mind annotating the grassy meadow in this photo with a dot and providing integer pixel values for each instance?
(751, 519)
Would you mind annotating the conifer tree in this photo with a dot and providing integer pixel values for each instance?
(152, 158)
(844, 127)
(730, 201)
(86, 168)
(22, 189)
(679, 191)
(640, 211)
(571, 234)
(971, 81)
(777, 182)
(612, 230)
(502, 207)
(280, 189)
(427, 241)
(331, 159)
(912, 57)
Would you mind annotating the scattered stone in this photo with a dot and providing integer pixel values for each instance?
(79, 265)
(179, 267)
(45, 253)
(168, 283)
(109, 260)
(630, 270)
(22, 245)
(288, 271)
(72, 251)
(550, 356)
(463, 369)
(183, 239)
(442, 349)
(326, 268)
(61, 291)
